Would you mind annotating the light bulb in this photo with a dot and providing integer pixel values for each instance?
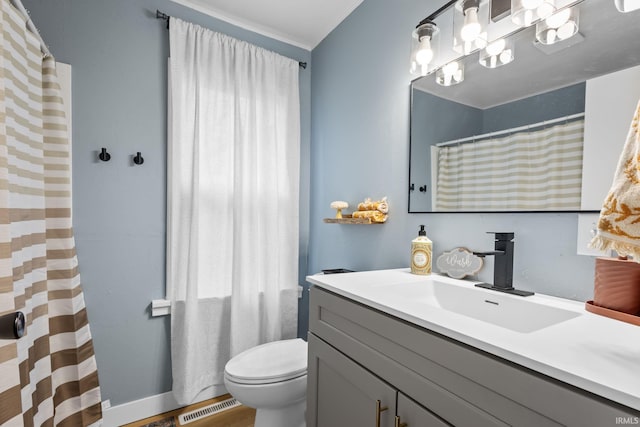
(471, 28)
(451, 68)
(506, 56)
(424, 55)
(558, 19)
(566, 30)
(481, 41)
(447, 79)
(450, 74)
(545, 10)
(551, 36)
(531, 4)
(528, 17)
(494, 48)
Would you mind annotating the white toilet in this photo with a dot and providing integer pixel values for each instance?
(272, 378)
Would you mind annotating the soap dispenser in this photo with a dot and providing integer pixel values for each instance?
(421, 253)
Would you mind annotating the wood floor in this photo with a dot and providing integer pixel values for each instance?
(240, 416)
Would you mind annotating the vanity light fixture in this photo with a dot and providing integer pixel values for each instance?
(559, 26)
(450, 74)
(470, 20)
(472, 30)
(625, 6)
(425, 39)
(527, 12)
(497, 53)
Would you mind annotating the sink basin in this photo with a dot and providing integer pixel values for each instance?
(507, 311)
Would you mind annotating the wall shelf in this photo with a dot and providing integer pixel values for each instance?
(348, 219)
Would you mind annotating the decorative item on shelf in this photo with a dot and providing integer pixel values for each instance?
(369, 212)
(379, 205)
(339, 205)
(376, 211)
(459, 263)
(558, 27)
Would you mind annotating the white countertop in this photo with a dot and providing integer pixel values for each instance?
(592, 352)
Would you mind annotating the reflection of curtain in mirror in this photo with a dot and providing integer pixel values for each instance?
(531, 170)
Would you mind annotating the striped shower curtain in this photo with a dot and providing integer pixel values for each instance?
(49, 376)
(535, 170)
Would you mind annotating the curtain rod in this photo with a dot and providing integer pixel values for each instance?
(164, 16)
(31, 26)
(517, 129)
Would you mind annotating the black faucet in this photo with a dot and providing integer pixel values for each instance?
(503, 266)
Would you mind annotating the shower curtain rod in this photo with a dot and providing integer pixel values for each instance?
(164, 16)
(505, 131)
(31, 26)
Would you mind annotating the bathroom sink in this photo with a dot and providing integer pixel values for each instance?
(511, 312)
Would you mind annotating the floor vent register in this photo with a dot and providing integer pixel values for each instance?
(209, 410)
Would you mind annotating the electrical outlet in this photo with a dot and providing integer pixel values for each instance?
(106, 404)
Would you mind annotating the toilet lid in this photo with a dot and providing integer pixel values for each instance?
(268, 363)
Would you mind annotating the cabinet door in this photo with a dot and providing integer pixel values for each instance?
(410, 414)
(342, 393)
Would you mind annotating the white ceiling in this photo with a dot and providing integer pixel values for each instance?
(302, 23)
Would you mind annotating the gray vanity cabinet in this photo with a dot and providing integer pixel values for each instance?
(358, 356)
(412, 414)
(348, 395)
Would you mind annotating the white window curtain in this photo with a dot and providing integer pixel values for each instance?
(532, 170)
(233, 191)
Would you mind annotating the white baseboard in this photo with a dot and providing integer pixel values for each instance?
(152, 405)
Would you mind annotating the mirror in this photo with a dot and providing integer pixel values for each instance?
(543, 83)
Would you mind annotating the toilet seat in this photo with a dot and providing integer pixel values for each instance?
(273, 362)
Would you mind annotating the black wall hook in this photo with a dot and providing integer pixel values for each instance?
(104, 156)
(138, 160)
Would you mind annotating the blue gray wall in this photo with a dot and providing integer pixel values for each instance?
(360, 148)
(118, 52)
(355, 112)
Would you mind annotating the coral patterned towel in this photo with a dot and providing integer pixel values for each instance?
(619, 223)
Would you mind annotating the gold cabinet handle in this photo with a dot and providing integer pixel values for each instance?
(398, 423)
(379, 409)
